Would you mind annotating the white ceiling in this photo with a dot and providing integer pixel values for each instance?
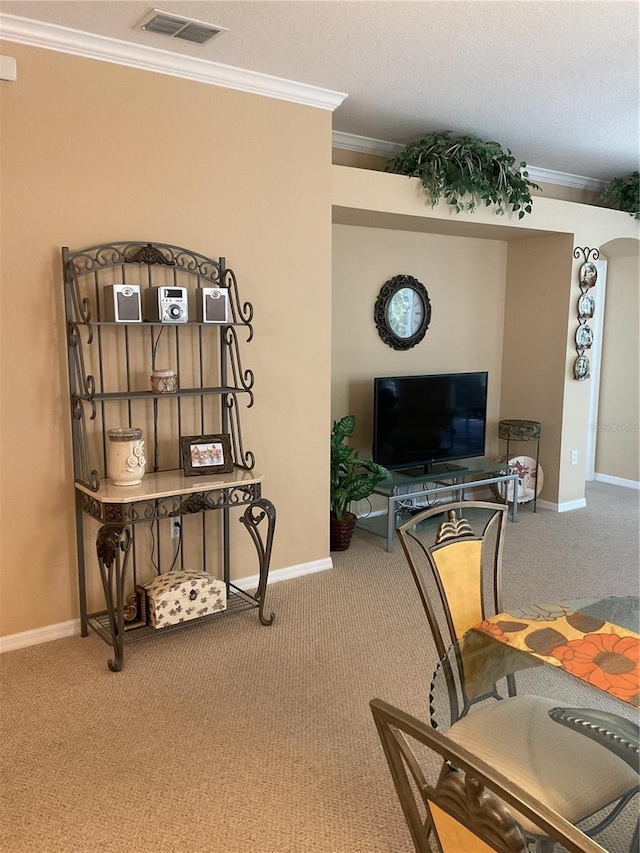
(556, 81)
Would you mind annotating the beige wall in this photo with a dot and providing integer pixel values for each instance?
(535, 323)
(465, 280)
(93, 152)
(617, 438)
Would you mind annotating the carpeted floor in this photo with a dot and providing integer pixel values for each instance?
(238, 738)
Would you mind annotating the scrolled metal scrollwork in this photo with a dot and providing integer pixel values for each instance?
(109, 540)
(149, 254)
(243, 458)
(85, 474)
(241, 378)
(175, 505)
(241, 312)
(256, 513)
(192, 504)
(164, 254)
(85, 381)
(587, 278)
(89, 505)
(95, 257)
(587, 253)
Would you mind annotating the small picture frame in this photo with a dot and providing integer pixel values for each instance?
(206, 454)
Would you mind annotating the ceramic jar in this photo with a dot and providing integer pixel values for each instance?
(126, 462)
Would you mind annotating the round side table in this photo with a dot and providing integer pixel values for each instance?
(517, 430)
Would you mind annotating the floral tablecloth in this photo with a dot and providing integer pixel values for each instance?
(598, 652)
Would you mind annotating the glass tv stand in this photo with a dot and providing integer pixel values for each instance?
(402, 490)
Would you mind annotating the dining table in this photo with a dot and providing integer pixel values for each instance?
(583, 653)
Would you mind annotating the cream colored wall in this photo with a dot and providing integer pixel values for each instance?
(358, 159)
(465, 279)
(93, 152)
(535, 319)
(617, 440)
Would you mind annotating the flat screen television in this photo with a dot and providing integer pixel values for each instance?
(422, 421)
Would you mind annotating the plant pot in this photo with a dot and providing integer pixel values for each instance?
(341, 531)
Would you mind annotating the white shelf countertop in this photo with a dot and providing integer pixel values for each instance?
(163, 484)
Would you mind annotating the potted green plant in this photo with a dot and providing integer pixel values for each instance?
(467, 171)
(624, 193)
(352, 479)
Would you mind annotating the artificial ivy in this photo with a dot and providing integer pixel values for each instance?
(467, 171)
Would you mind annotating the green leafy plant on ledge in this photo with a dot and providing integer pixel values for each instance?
(467, 171)
(624, 193)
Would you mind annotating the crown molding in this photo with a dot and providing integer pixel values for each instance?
(105, 49)
(563, 179)
(352, 142)
(364, 144)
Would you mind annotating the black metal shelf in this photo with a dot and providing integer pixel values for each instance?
(141, 395)
(146, 323)
(237, 602)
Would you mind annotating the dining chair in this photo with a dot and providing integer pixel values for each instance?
(448, 792)
(457, 569)
(616, 733)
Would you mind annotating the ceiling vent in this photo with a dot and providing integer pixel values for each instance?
(177, 27)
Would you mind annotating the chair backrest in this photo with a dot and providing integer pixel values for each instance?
(467, 807)
(447, 566)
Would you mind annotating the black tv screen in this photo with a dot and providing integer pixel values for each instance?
(421, 420)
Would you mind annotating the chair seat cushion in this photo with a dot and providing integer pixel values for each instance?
(572, 774)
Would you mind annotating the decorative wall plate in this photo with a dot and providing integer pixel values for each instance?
(529, 485)
(586, 306)
(581, 369)
(588, 275)
(584, 337)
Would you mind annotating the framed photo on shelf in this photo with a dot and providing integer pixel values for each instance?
(206, 454)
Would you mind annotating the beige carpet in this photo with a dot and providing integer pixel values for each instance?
(239, 738)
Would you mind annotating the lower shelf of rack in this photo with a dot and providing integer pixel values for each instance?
(238, 601)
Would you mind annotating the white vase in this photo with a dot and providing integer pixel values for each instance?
(126, 462)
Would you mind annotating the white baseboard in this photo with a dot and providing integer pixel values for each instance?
(617, 481)
(72, 628)
(568, 506)
(39, 635)
(287, 574)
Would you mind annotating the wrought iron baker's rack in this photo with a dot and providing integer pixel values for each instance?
(109, 367)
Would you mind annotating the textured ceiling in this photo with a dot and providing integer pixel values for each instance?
(556, 82)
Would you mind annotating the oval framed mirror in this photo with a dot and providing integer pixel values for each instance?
(402, 312)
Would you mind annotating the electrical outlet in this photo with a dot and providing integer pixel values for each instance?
(574, 457)
(175, 527)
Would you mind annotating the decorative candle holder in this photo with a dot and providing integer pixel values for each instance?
(164, 382)
(126, 461)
